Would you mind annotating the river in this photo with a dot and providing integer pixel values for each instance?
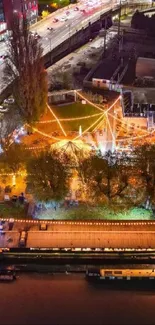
(71, 300)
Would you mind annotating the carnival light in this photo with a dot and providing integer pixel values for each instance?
(57, 120)
(70, 119)
(42, 133)
(89, 127)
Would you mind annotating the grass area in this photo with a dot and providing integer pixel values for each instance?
(13, 210)
(83, 212)
(68, 125)
(98, 213)
(74, 110)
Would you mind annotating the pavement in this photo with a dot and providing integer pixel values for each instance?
(90, 239)
(68, 234)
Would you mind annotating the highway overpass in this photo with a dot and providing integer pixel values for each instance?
(71, 33)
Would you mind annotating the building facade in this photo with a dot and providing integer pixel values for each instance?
(27, 8)
(3, 25)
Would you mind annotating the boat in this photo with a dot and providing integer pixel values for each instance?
(122, 276)
(7, 276)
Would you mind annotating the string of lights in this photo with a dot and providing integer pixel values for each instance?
(43, 133)
(99, 125)
(88, 101)
(89, 127)
(62, 129)
(129, 124)
(114, 138)
(70, 119)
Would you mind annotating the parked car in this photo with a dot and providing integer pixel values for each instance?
(23, 237)
(4, 57)
(9, 101)
(3, 109)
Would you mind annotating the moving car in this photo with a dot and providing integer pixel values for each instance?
(50, 28)
(63, 19)
(55, 20)
(36, 35)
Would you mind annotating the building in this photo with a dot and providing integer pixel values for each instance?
(129, 69)
(28, 8)
(3, 26)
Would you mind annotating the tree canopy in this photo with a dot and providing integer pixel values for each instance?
(144, 164)
(47, 177)
(105, 177)
(13, 157)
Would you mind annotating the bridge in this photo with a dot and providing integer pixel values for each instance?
(67, 36)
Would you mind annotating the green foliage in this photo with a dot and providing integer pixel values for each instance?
(60, 3)
(105, 177)
(12, 210)
(25, 70)
(13, 158)
(144, 164)
(98, 212)
(47, 177)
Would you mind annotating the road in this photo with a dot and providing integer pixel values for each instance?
(73, 20)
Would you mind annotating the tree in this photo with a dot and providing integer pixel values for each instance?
(144, 164)
(60, 80)
(24, 69)
(47, 177)
(8, 123)
(105, 177)
(13, 158)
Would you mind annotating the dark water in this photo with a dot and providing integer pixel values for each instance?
(70, 299)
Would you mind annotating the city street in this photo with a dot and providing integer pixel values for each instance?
(67, 25)
(64, 23)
